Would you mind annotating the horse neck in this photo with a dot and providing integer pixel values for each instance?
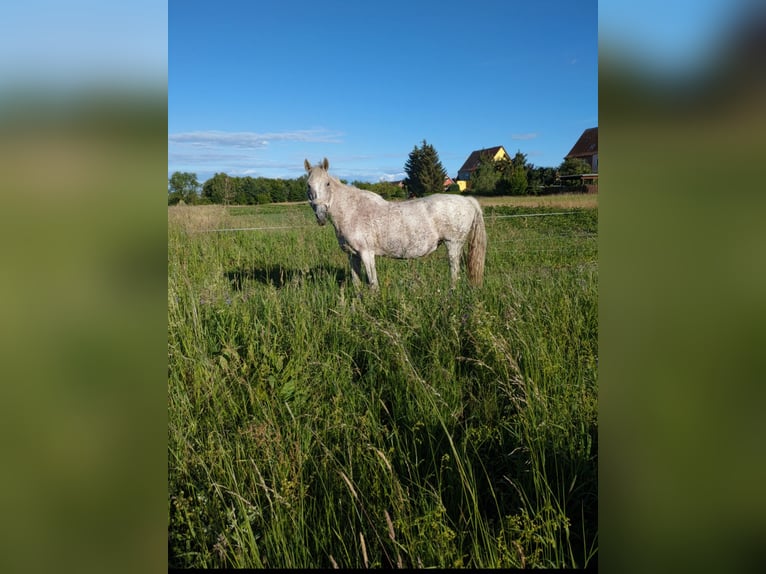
(348, 201)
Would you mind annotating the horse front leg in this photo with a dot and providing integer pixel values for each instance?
(368, 258)
(356, 269)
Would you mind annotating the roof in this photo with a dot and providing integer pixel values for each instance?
(587, 145)
(473, 160)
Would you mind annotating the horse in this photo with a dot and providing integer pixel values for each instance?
(367, 225)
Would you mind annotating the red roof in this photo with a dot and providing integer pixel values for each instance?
(587, 145)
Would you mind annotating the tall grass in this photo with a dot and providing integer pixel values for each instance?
(314, 425)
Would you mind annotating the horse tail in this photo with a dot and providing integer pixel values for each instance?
(477, 248)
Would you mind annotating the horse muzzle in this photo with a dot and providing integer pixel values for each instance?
(321, 213)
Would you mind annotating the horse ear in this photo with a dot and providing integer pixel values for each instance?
(307, 165)
(325, 164)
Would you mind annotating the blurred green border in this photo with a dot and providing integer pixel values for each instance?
(682, 315)
(83, 307)
(682, 312)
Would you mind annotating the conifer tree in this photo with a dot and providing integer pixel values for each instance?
(425, 173)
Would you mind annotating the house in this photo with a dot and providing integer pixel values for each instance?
(447, 182)
(586, 148)
(464, 173)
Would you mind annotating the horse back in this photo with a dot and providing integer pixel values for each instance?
(452, 214)
(415, 228)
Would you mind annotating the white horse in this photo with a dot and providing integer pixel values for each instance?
(367, 225)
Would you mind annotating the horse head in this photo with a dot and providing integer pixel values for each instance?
(319, 189)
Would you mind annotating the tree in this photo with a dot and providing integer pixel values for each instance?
(247, 191)
(229, 189)
(278, 191)
(574, 166)
(384, 189)
(540, 178)
(388, 190)
(505, 176)
(425, 173)
(220, 188)
(570, 170)
(184, 186)
(297, 188)
(486, 177)
(518, 179)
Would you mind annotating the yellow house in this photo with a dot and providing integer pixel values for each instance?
(464, 173)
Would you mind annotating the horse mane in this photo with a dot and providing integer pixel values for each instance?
(339, 185)
(364, 193)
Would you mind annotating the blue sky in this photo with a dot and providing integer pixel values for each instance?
(53, 44)
(675, 37)
(256, 87)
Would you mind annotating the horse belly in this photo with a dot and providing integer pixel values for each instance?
(408, 243)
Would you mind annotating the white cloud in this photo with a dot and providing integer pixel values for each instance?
(527, 136)
(207, 157)
(393, 176)
(252, 140)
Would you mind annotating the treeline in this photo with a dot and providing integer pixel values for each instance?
(425, 175)
(225, 189)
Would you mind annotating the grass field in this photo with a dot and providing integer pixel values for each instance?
(312, 425)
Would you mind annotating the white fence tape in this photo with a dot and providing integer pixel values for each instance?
(486, 218)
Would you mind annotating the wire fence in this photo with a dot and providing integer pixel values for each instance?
(488, 219)
(491, 217)
(542, 245)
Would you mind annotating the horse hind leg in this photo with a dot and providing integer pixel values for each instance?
(356, 269)
(454, 249)
(368, 258)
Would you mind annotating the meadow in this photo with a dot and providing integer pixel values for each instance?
(311, 424)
